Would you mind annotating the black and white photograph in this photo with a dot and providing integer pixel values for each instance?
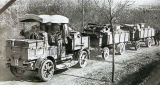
(79, 42)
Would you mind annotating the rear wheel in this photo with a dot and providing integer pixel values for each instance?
(105, 53)
(120, 48)
(82, 59)
(46, 71)
(148, 42)
(17, 71)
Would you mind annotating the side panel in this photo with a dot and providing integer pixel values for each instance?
(74, 43)
(127, 37)
(85, 42)
(110, 41)
(149, 33)
(117, 38)
(77, 42)
(142, 33)
(122, 37)
(95, 40)
(153, 32)
(145, 33)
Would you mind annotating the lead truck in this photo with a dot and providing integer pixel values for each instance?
(48, 44)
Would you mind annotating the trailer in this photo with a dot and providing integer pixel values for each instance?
(101, 38)
(140, 33)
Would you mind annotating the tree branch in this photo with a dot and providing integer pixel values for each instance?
(102, 10)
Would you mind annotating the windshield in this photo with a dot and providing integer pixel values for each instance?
(31, 25)
(50, 28)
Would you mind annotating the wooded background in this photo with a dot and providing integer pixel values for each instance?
(95, 12)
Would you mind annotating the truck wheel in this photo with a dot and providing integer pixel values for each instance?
(120, 48)
(148, 42)
(82, 59)
(137, 45)
(16, 71)
(105, 53)
(46, 70)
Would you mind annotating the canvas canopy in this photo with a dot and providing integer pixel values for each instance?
(44, 18)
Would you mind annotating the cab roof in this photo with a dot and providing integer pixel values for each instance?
(44, 18)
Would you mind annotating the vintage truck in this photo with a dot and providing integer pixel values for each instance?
(140, 33)
(48, 45)
(101, 38)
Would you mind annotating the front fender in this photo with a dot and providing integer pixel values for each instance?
(40, 61)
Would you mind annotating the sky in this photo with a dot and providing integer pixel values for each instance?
(147, 2)
(138, 2)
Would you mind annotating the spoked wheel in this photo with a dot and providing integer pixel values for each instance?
(148, 42)
(82, 59)
(105, 53)
(17, 71)
(120, 48)
(46, 71)
(137, 45)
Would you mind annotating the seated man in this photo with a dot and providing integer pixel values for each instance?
(53, 34)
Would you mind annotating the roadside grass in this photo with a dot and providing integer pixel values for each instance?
(141, 75)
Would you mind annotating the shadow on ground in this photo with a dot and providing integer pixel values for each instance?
(29, 76)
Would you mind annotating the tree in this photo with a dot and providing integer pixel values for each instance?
(111, 10)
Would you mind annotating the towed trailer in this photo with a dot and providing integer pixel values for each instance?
(140, 33)
(101, 38)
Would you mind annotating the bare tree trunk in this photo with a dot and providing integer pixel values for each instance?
(113, 37)
(82, 15)
(113, 63)
(6, 6)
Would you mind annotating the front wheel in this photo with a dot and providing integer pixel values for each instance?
(82, 59)
(137, 45)
(17, 71)
(46, 70)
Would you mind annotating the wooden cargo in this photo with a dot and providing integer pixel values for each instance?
(144, 33)
(119, 38)
(24, 50)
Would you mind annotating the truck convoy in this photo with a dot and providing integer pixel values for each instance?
(101, 37)
(48, 46)
(126, 34)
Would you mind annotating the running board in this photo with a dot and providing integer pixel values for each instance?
(66, 64)
(67, 57)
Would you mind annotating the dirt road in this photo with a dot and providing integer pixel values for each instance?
(97, 72)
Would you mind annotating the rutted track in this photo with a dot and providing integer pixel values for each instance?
(98, 70)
